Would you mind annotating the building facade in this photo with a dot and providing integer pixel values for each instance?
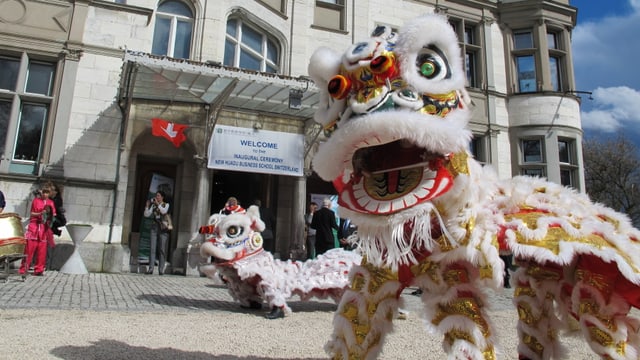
(81, 81)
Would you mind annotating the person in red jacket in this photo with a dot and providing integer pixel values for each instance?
(39, 232)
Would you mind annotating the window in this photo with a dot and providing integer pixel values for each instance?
(554, 67)
(277, 5)
(552, 41)
(564, 151)
(537, 172)
(525, 61)
(468, 41)
(477, 148)
(248, 48)
(556, 59)
(532, 160)
(523, 40)
(567, 159)
(526, 73)
(27, 86)
(532, 151)
(329, 14)
(173, 30)
(536, 70)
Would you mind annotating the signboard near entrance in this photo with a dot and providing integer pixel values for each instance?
(257, 151)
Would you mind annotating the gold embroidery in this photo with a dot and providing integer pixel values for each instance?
(452, 335)
(467, 307)
(378, 277)
(360, 330)
(458, 164)
(432, 269)
(592, 308)
(456, 276)
(533, 344)
(525, 314)
(541, 273)
(486, 271)
(524, 291)
(600, 336)
(555, 235)
(598, 281)
(444, 244)
(489, 353)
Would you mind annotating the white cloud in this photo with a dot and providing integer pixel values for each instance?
(613, 108)
(605, 55)
(606, 51)
(599, 120)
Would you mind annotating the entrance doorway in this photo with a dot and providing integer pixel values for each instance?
(148, 171)
(244, 186)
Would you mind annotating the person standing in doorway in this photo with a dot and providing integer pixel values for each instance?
(324, 222)
(268, 235)
(311, 233)
(39, 232)
(157, 209)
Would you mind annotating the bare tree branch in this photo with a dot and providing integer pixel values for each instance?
(612, 174)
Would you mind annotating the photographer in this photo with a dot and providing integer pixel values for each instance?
(157, 209)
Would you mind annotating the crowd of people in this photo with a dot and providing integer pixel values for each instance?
(47, 217)
(324, 232)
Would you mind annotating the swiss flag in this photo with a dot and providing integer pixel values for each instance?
(168, 130)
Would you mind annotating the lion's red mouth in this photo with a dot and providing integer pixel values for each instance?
(395, 176)
(397, 155)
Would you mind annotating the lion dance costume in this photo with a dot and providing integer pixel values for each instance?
(253, 275)
(395, 112)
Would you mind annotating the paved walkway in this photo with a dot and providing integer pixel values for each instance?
(124, 316)
(140, 292)
(116, 292)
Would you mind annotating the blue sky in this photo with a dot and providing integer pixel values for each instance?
(606, 53)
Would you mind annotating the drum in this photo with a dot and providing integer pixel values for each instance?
(12, 241)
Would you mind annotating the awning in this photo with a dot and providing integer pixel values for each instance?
(161, 78)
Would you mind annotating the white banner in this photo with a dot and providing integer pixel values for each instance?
(259, 151)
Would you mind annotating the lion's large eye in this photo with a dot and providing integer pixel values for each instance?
(432, 64)
(234, 231)
(339, 87)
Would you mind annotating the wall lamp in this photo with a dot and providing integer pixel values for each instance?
(577, 92)
(295, 99)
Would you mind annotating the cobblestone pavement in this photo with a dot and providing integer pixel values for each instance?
(136, 316)
(139, 292)
(117, 292)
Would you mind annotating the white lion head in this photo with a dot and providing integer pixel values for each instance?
(230, 237)
(395, 116)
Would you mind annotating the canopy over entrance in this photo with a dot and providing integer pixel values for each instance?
(152, 77)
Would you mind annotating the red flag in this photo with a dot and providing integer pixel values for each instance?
(168, 130)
